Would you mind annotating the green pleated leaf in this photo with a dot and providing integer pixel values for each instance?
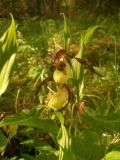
(7, 55)
(47, 157)
(41, 157)
(41, 146)
(34, 142)
(3, 143)
(77, 67)
(45, 125)
(87, 146)
(88, 34)
(114, 155)
(64, 141)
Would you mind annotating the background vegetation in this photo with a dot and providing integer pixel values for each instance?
(25, 8)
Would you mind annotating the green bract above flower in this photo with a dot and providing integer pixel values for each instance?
(58, 99)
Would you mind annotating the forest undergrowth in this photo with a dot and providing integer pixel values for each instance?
(77, 58)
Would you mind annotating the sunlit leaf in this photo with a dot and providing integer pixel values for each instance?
(78, 69)
(60, 117)
(46, 125)
(64, 141)
(114, 155)
(34, 142)
(88, 34)
(7, 56)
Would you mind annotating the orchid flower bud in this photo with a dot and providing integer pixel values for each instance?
(58, 99)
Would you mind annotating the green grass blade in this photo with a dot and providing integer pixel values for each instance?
(66, 34)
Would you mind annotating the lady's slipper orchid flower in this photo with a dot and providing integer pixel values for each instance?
(58, 99)
(62, 72)
(62, 76)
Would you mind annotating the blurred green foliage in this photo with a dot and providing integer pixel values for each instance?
(96, 132)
